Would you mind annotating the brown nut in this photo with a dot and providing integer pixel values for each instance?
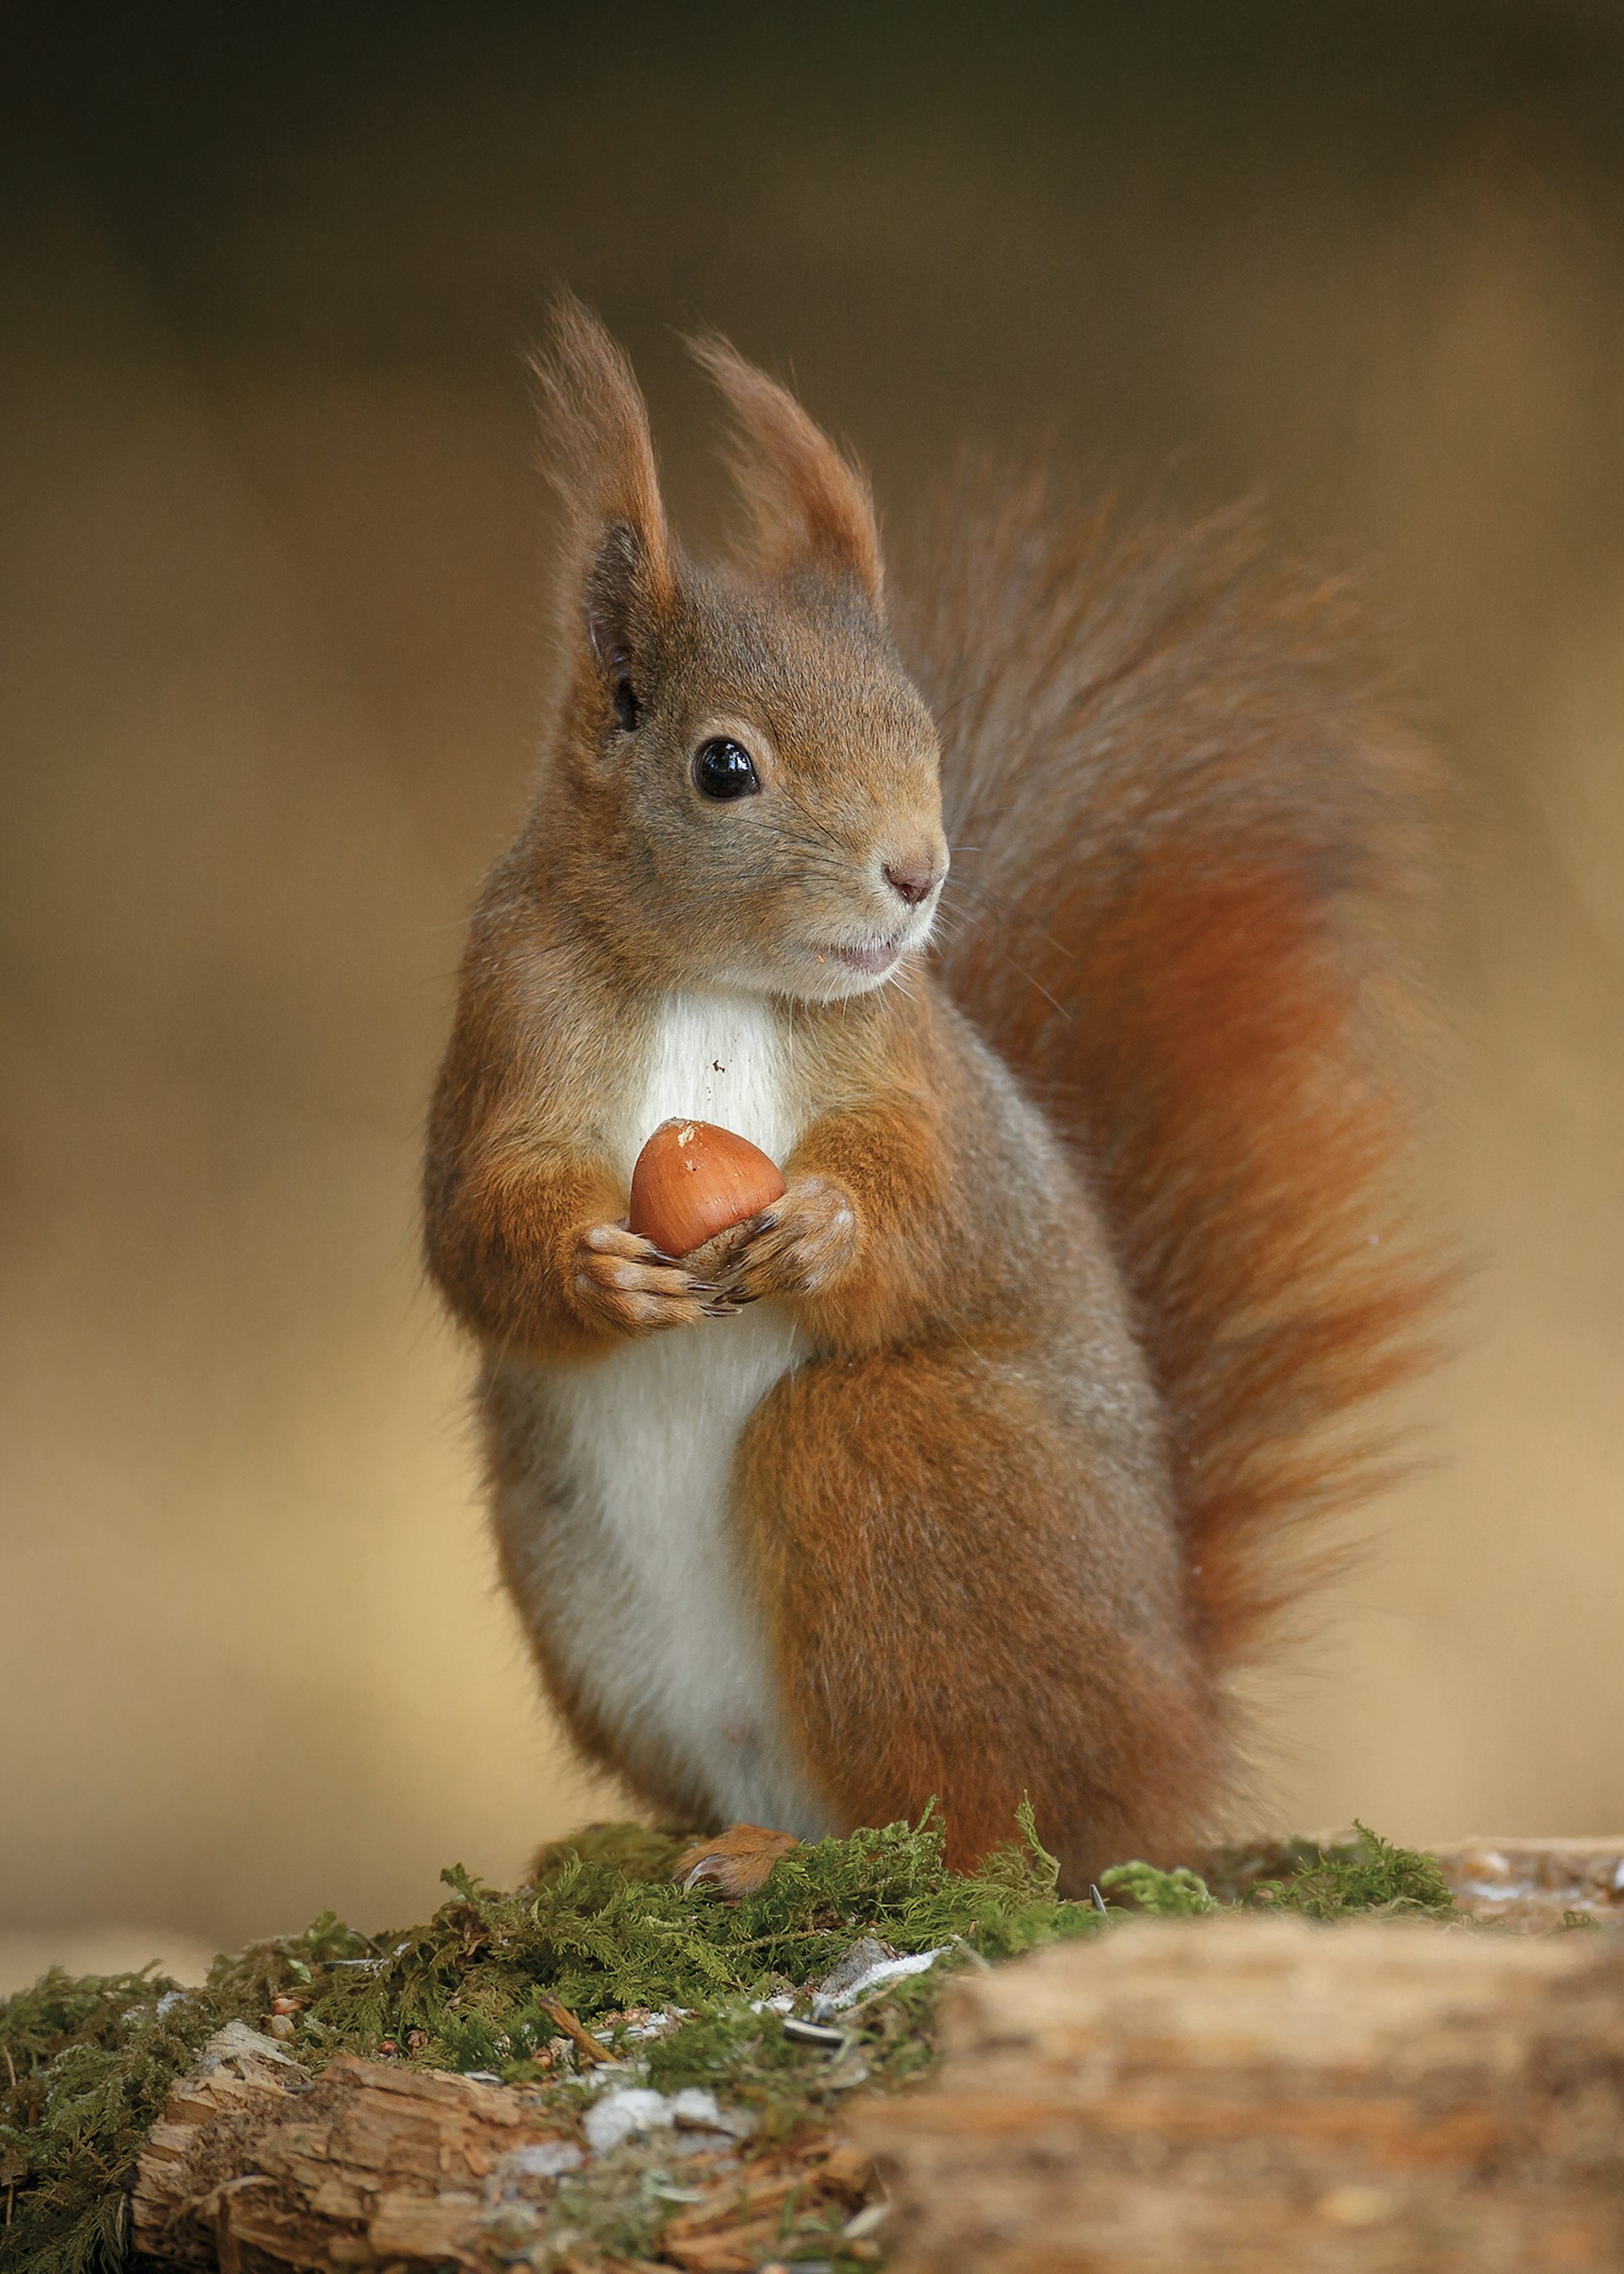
(692, 1181)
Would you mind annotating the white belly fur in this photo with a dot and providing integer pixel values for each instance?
(659, 1623)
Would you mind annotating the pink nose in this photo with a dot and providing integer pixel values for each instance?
(913, 879)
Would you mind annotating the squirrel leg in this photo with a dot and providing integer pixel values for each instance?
(972, 1603)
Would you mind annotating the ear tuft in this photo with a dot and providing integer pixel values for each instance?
(600, 456)
(808, 504)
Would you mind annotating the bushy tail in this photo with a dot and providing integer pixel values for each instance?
(1179, 839)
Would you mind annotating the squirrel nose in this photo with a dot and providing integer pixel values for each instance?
(915, 879)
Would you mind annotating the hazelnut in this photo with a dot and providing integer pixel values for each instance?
(692, 1181)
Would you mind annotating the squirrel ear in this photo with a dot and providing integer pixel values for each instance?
(808, 504)
(601, 458)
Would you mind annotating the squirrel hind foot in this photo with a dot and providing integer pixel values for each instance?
(735, 1863)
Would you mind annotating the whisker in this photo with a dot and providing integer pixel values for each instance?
(1003, 908)
(959, 701)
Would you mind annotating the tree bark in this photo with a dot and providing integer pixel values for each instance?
(1247, 2093)
(253, 2164)
(1261, 2095)
(258, 2169)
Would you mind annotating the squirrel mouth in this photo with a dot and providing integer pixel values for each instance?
(869, 961)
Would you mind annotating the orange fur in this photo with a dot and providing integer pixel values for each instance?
(1178, 922)
(1089, 1238)
(808, 507)
(913, 1523)
(738, 1860)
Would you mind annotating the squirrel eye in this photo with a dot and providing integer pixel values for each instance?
(723, 768)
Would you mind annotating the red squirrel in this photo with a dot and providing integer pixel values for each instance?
(971, 1468)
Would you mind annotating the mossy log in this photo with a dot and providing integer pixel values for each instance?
(256, 2169)
(252, 2165)
(1230, 2092)
(1260, 2094)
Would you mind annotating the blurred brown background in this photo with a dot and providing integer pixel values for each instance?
(273, 554)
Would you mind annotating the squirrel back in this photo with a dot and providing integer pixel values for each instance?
(1184, 840)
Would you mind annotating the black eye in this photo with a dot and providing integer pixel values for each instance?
(723, 769)
(628, 709)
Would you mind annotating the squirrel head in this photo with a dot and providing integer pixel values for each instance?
(744, 791)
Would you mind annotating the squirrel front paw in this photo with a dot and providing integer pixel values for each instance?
(798, 1247)
(624, 1283)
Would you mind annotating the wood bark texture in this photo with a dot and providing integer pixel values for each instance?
(1260, 2094)
(1234, 2093)
(257, 2169)
(254, 2165)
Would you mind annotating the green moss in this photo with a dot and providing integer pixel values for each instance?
(1362, 1873)
(85, 2064)
(1365, 1874)
(637, 1851)
(1178, 1893)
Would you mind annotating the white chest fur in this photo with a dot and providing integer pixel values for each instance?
(715, 1058)
(649, 1601)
